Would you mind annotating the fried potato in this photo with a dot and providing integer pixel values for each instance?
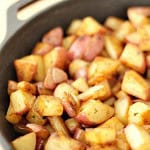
(136, 85)
(12, 86)
(67, 41)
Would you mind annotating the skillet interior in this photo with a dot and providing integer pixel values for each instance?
(23, 41)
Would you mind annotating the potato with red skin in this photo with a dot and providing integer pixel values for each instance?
(54, 37)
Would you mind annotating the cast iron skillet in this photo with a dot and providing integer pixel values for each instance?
(22, 36)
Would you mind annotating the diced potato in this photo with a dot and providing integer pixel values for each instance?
(100, 91)
(133, 57)
(139, 113)
(27, 87)
(101, 135)
(60, 142)
(113, 22)
(12, 86)
(94, 112)
(67, 41)
(110, 101)
(147, 128)
(74, 26)
(25, 69)
(54, 37)
(11, 116)
(63, 88)
(79, 135)
(114, 123)
(80, 84)
(137, 137)
(42, 48)
(47, 105)
(144, 45)
(90, 26)
(82, 73)
(136, 85)
(57, 57)
(34, 117)
(98, 69)
(58, 125)
(53, 77)
(102, 147)
(40, 131)
(40, 73)
(113, 46)
(75, 65)
(124, 30)
(26, 142)
(21, 101)
(72, 124)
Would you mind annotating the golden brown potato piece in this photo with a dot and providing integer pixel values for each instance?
(40, 72)
(100, 91)
(98, 69)
(67, 41)
(47, 105)
(113, 46)
(21, 101)
(60, 142)
(58, 125)
(53, 77)
(94, 112)
(102, 147)
(12, 86)
(27, 87)
(40, 131)
(42, 48)
(124, 30)
(122, 112)
(54, 37)
(141, 140)
(25, 69)
(11, 115)
(113, 23)
(148, 60)
(90, 26)
(110, 101)
(136, 85)
(26, 142)
(58, 57)
(100, 135)
(86, 47)
(139, 113)
(133, 57)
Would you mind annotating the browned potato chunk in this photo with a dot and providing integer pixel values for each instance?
(82, 73)
(139, 113)
(21, 101)
(98, 69)
(67, 41)
(26, 142)
(90, 26)
(60, 142)
(42, 48)
(94, 112)
(25, 69)
(133, 57)
(27, 87)
(53, 77)
(113, 46)
(100, 91)
(11, 115)
(58, 125)
(102, 147)
(58, 57)
(12, 86)
(54, 37)
(100, 135)
(48, 106)
(136, 85)
(40, 73)
(141, 140)
(110, 101)
(113, 22)
(79, 135)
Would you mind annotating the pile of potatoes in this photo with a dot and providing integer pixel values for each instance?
(89, 90)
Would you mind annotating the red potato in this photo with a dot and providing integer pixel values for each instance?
(82, 73)
(54, 37)
(86, 47)
(12, 86)
(53, 77)
(42, 48)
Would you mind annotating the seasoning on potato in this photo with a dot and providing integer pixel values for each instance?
(86, 89)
